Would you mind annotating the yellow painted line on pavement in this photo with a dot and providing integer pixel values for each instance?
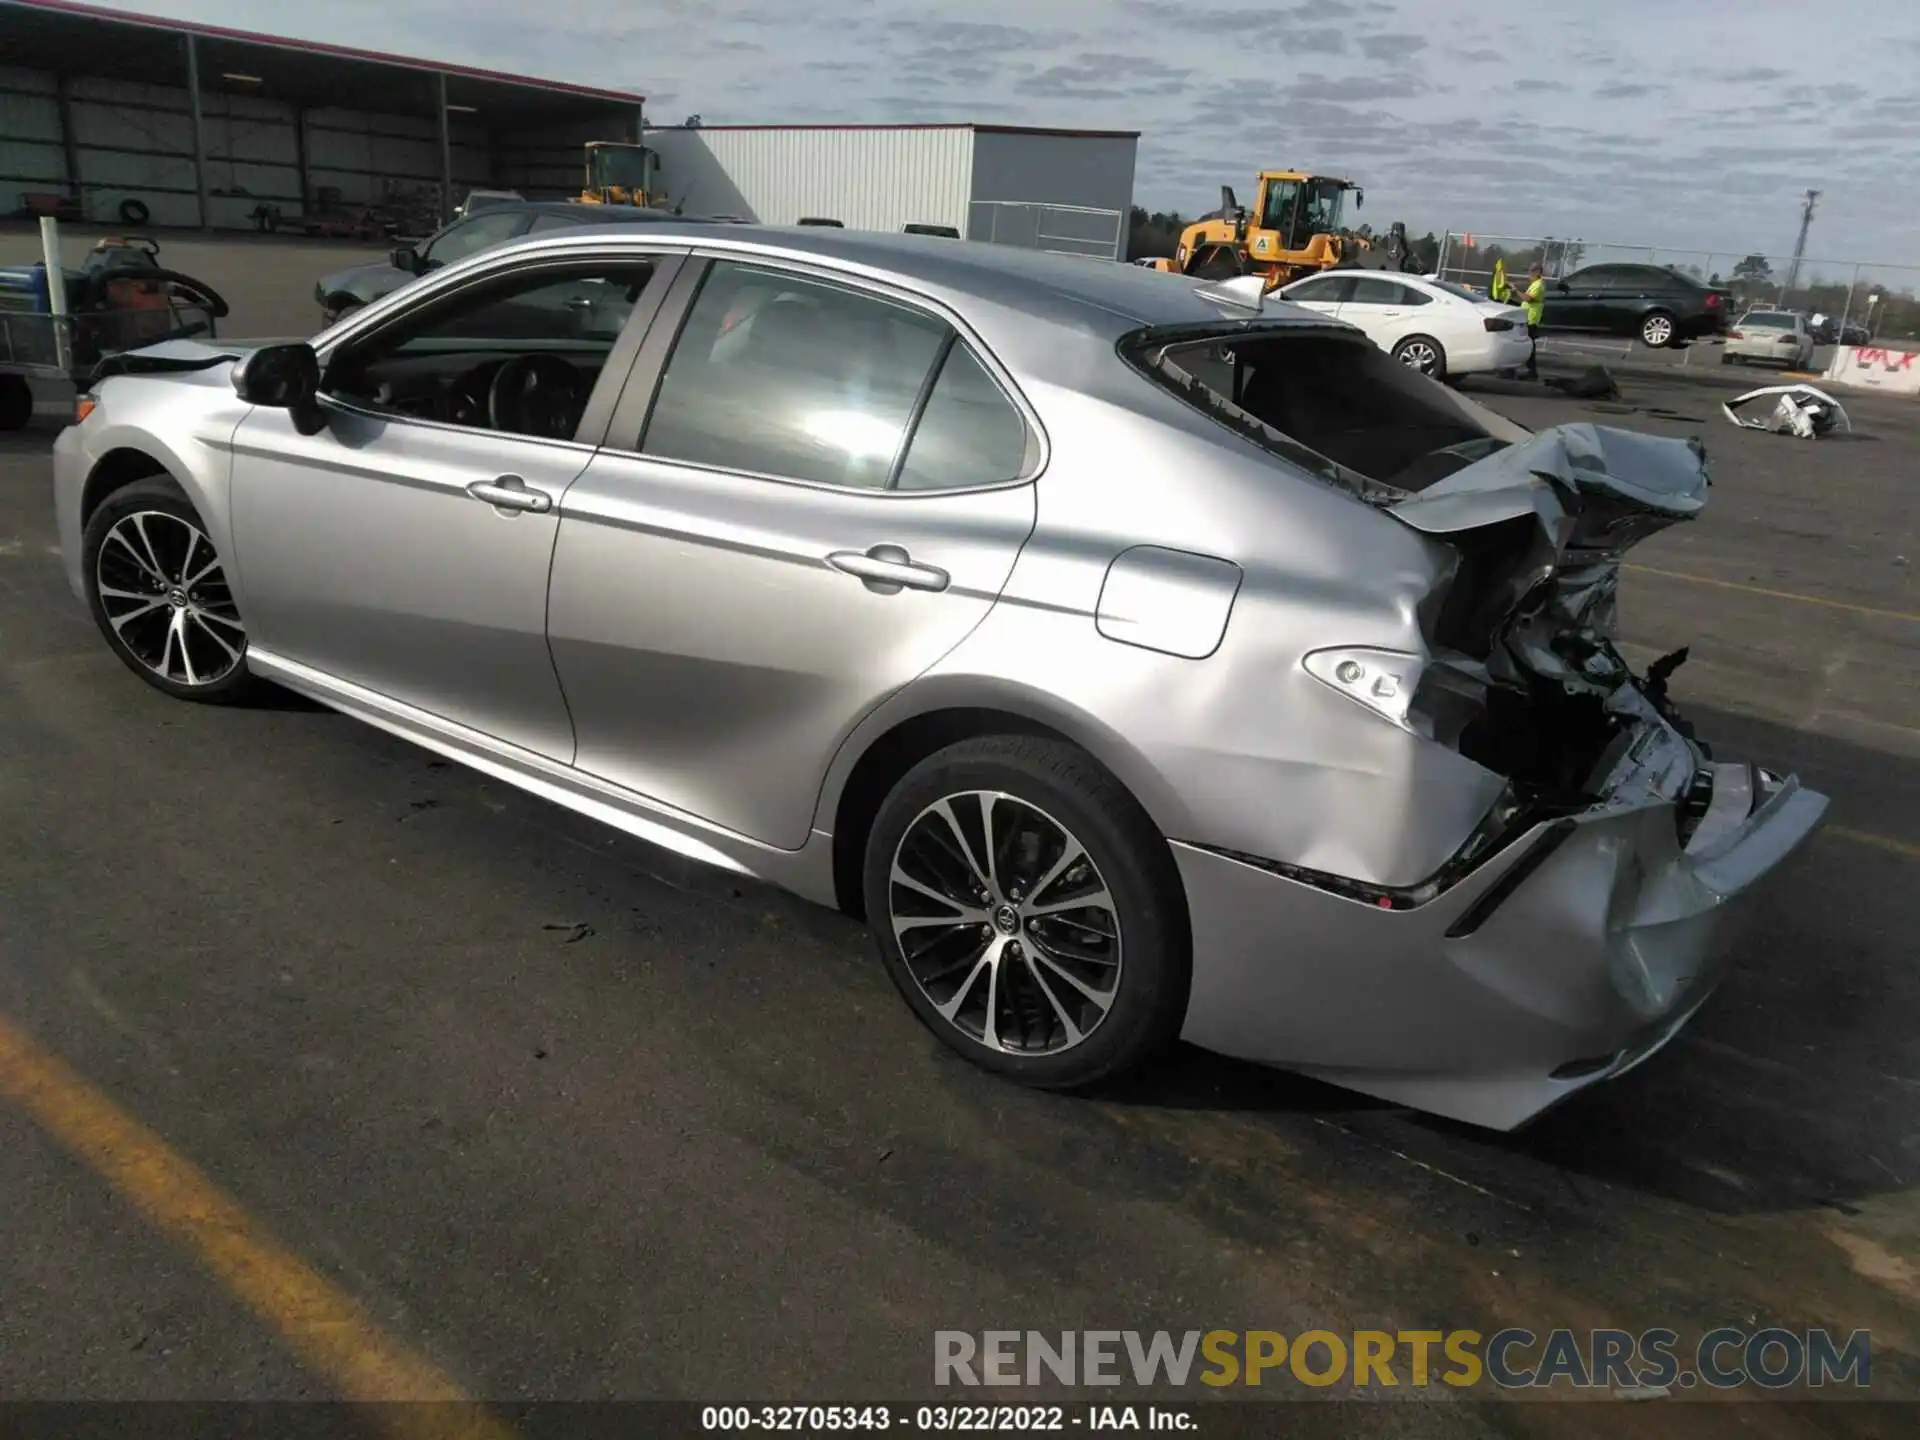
(1773, 594)
(328, 1331)
(1904, 848)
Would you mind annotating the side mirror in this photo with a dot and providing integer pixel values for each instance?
(1359, 198)
(406, 258)
(1563, 287)
(283, 377)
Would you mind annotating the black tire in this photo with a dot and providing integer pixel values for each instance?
(1651, 324)
(1434, 367)
(147, 502)
(1131, 864)
(16, 402)
(135, 212)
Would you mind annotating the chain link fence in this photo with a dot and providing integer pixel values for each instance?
(1060, 229)
(1846, 302)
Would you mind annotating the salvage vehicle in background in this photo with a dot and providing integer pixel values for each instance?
(1309, 743)
(1436, 327)
(1772, 337)
(345, 291)
(1658, 305)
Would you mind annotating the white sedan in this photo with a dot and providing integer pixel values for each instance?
(1436, 327)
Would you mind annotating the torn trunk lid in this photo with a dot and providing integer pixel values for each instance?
(1593, 487)
(1524, 676)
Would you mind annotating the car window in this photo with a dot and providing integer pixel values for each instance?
(777, 375)
(548, 220)
(1323, 289)
(470, 237)
(969, 434)
(1459, 292)
(1596, 277)
(439, 360)
(1368, 290)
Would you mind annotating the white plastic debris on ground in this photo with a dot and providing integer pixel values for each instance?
(1802, 411)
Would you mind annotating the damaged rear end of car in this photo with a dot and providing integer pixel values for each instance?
(1594, 907)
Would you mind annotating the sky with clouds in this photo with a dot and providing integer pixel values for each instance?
(1690, 123)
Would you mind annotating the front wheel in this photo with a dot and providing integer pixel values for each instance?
(1422, 353)
(159, 593)
(1029, 911)
(1657, 330)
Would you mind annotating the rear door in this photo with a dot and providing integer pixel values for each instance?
(813, 489)
(1321, 294)
(1379, 306)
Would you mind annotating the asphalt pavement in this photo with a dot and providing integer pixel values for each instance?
(545, 1113)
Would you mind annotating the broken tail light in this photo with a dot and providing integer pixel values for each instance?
(1495, 325)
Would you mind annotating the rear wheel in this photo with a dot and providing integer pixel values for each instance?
(1028, 911)
(1657, 330)
(1422, 353)
(159, 593)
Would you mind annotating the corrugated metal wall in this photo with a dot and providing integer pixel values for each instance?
(867, 179)
(1052, 192)
(136, 142)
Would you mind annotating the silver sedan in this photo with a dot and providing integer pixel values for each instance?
(1141, 658)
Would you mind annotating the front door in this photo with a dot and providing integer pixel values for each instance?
(405, 548)
(829, 494)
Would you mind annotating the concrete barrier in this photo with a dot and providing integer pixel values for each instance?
(1894, 372)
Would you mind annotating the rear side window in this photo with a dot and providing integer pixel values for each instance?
(1325, 289)
(781, 376)
(969, 434)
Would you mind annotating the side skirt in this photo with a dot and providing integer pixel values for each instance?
(808, 871)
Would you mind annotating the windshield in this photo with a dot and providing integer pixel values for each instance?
(1325, 200)
(624, 165)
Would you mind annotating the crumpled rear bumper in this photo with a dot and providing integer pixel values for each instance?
(1567, 958)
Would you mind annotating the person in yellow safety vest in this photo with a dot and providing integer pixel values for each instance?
(1534, 302)
(1500, 290)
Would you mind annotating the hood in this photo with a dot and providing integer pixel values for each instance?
(176, 357)
(367, 282)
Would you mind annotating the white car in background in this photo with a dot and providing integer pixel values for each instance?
(1774, 337)
(1434, 326)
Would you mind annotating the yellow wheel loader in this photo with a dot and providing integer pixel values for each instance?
(619, 173)
(1294, 228)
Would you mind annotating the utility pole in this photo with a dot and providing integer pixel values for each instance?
(1799, 245)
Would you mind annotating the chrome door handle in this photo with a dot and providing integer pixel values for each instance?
(510, 492)
(888, 569)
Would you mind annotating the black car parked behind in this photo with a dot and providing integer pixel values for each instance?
(1661, 306)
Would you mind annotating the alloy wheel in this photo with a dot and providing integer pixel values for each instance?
(1005, 923)
(166, 596)
(1657, 331)
(1419, 355)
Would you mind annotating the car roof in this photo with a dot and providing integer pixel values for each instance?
(594, 213)
(1087, 292)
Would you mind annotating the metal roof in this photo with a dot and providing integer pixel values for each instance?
(977, 127)
(76, 39)
(1101, 296)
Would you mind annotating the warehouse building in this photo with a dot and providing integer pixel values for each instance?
(126, 119)
(1064, 190)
